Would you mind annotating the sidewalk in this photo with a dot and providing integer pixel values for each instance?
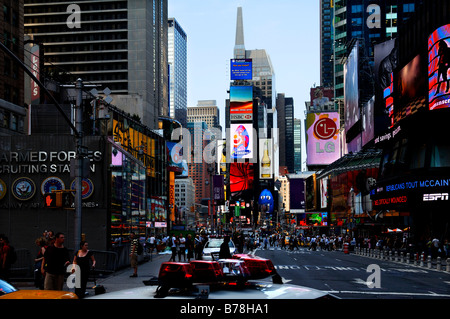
(121, 279)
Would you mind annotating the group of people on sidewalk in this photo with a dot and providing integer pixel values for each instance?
(53, 259)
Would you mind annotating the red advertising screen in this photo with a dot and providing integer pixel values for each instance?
(438, 68)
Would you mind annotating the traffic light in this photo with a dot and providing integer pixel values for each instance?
(67, 200)
(53, 200)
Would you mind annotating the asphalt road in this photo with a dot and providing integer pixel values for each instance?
(351, 276)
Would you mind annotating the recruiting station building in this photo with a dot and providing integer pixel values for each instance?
(124, 187)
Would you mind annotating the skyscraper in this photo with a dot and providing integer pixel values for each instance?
(12, 112)
(198, 168)
(177, 54)
(326, 43)
(263, 74)
(370, 24)
(206, 111)
(297, 145)
(285, 108)
(121, 45)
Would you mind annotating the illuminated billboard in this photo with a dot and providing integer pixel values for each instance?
(351, 89)
(322, 138)
(241, 141)
(241, 103)
(438, 66)
(322, 98)
(410, 88)
(265, 158)
(241, 180)
(241, 69)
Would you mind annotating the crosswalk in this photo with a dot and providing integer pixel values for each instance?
(300, 250)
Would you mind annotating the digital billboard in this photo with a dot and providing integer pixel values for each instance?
(241, 181)
(241, 69)
(323, 192)
(266, 158)
(438, 66)
(297, 198)
(241, 141)
(241, 103)
(351, 89)
(322, 138)
(385, 62)
(322, 98)
(410, 88)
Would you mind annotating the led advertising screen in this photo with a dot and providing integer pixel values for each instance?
(241, 69)
(241, 180)
(322, 98)
(351, 92)
(297, 198)
(241, 103)
(438, 68)
(410, 88)
(322, 138)
(241, 141)
(323, 192)
(266, 162)
(386, 61)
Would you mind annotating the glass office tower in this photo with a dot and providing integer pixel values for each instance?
(177, 54)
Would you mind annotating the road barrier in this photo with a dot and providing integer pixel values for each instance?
(420, 260)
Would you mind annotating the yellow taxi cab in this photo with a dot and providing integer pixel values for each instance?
(7, 291)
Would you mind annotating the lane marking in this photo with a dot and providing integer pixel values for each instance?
(387, 293)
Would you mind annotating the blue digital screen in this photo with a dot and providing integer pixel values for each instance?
(241, 69)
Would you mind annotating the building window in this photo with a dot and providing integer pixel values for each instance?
(440, 155)
(408, 7)
(357, 8)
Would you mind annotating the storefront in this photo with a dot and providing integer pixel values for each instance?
(343, 193)
(414, 185)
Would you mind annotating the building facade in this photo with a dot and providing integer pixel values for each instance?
(13, 112)
(370, 24)
(206, 111)
(285, 109)
(326, 43)
(177, 54)
(120, 45)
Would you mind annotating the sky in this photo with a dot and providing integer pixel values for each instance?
(287, 29)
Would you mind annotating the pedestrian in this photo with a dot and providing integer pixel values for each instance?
(134, 254)
(189, 247)
(5, 254)
(198, 247)
(182, 247)
(224, 252)
(41, 242)
(82, 259)
(151, 241)
(174, 244)
(56, 259)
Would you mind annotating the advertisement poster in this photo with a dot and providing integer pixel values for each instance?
(322, 138)
(438, 68)
(351, 95)
(241, 103)
(242, 141)
(265, 158)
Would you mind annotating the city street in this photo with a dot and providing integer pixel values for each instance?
(346, 275)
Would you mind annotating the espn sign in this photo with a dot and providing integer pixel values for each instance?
(435, 197)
